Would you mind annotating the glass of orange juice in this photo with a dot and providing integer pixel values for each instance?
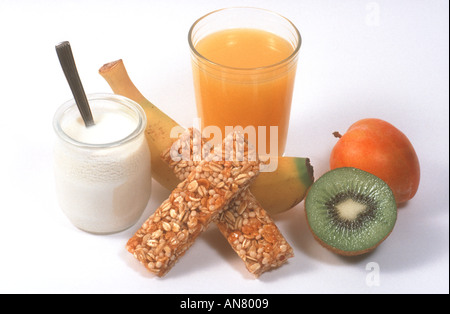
(244, 62)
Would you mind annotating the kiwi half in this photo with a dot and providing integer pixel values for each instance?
(350, 211)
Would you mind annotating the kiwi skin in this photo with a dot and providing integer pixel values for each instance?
(339, 251)
(345, 253)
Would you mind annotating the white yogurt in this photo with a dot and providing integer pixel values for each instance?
(103, 173)
(109, 127)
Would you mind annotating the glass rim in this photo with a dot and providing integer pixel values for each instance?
(270, 66)
(124, 101)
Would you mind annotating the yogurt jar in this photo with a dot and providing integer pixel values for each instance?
(102, 172)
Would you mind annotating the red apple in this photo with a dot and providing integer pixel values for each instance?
(376, 146)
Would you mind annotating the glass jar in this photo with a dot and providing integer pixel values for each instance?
(102, 172)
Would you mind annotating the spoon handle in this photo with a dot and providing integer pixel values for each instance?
(67, 61)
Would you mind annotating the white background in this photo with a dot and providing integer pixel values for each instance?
(359, 59)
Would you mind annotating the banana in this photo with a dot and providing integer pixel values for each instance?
(277, 191)
(159, 125)
(285, 187)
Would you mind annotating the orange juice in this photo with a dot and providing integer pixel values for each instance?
(244, 48)
(245, 77)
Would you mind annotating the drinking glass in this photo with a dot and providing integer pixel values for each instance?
(251, 84)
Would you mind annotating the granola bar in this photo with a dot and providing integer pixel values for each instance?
(248, 228)
(193, 204)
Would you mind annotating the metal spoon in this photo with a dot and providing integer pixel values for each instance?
(70, 71)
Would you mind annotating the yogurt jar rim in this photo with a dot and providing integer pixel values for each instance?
(124, 101)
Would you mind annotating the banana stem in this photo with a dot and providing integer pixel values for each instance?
(118, 79)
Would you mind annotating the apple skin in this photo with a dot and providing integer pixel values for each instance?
(376, 146)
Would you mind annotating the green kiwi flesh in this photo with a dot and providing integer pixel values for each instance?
(350, 211)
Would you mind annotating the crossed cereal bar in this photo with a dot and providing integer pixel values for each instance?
(248, 228)
(193, 204)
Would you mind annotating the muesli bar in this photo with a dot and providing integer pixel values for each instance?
(248, 228)
(192, 205)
